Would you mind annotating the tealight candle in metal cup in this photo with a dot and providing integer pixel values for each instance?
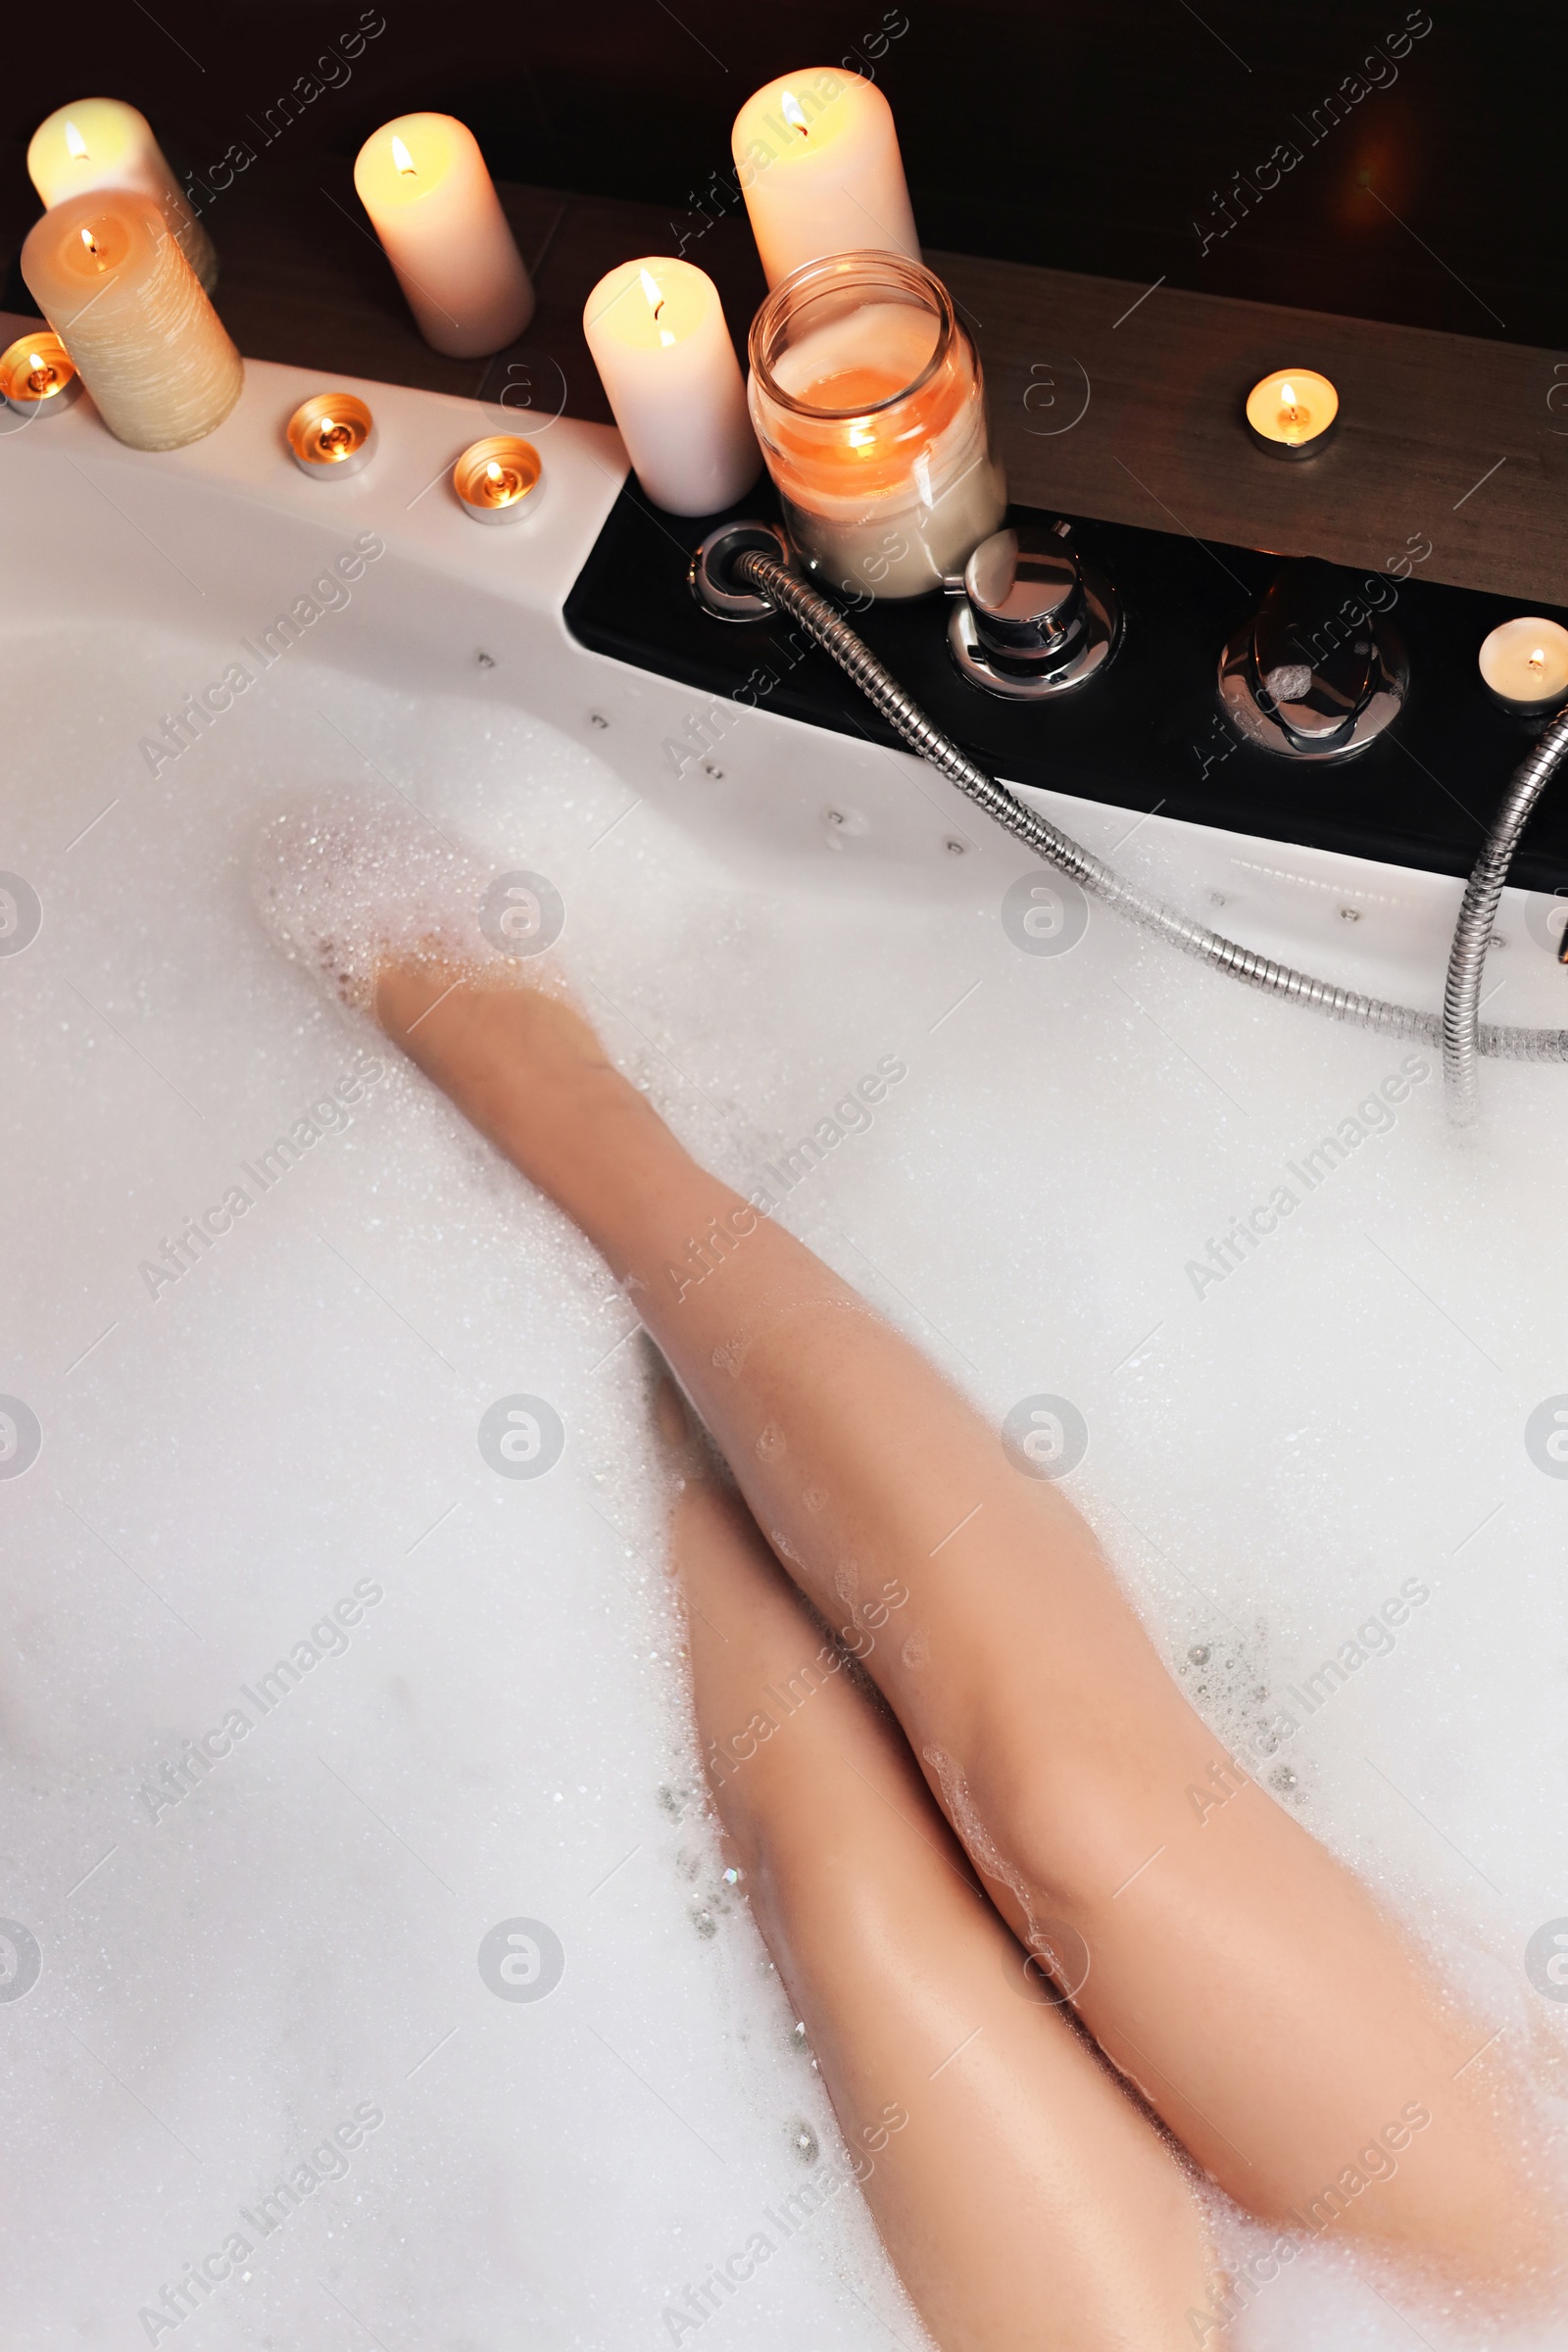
(1293, 413)
(1524, 667)
(332, 434)
(497, 479)
(37, 377)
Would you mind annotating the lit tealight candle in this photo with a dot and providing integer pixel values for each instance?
(497, 479)
(656, 330)
(1524, 666)
(1293, 413)
(817, 156)
(103, 143)
(332, 434)
(37, 377)
(114, 284)
(434, 207)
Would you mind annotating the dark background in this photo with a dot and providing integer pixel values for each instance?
(1089, 138)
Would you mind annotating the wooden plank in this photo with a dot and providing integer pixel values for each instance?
(1442, 437)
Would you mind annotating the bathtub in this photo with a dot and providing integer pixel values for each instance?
(367, 1970)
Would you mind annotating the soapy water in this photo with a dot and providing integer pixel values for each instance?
(421, 2008)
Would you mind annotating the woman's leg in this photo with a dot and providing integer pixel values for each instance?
(1281, 2024)
(1026, 2203)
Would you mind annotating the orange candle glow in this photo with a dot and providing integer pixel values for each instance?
(867, 397)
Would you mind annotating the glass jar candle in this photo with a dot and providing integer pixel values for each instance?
(866, 396)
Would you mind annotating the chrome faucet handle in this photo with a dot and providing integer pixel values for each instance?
(1034, 619)
(1025, 599)
(1317, 672)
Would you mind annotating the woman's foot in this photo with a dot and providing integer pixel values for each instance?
(396, 922)
(342, 887)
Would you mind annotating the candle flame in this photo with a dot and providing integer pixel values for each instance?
(501, 485)
(655, 294)
(76, 144)
(86, 238)
(1538, 659)
(401, 156)
(1287, 395)
(36, 362)
(790, 107)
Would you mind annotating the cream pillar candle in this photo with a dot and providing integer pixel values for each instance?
(114, 284)
(103, 143)
(434, 207)
(817, 156)
(657, 332)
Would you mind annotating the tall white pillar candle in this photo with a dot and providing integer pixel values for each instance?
(434, 207)
(657, 332)
(112, 281)
(817, 156)
(103, 143)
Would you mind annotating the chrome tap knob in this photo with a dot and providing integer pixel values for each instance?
(1033, 619)
(1318, 673)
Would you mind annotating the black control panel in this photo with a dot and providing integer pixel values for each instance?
(1148, 731)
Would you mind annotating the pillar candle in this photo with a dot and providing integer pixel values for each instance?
(657, 332)
(434, 207)
(817, 156)
(103, 143)
(115, 287)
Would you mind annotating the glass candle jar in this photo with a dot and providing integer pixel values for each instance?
(866, 396)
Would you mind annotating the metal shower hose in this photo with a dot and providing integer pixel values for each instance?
(1459, 1030)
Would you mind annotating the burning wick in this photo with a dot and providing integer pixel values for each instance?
(86, 238)
(495, 478)
(401, 156)
(1292, 411)
(655, 303)
(1538, 659)
(40, 375)
(331, 433)
(75, 142)
(789, 107)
